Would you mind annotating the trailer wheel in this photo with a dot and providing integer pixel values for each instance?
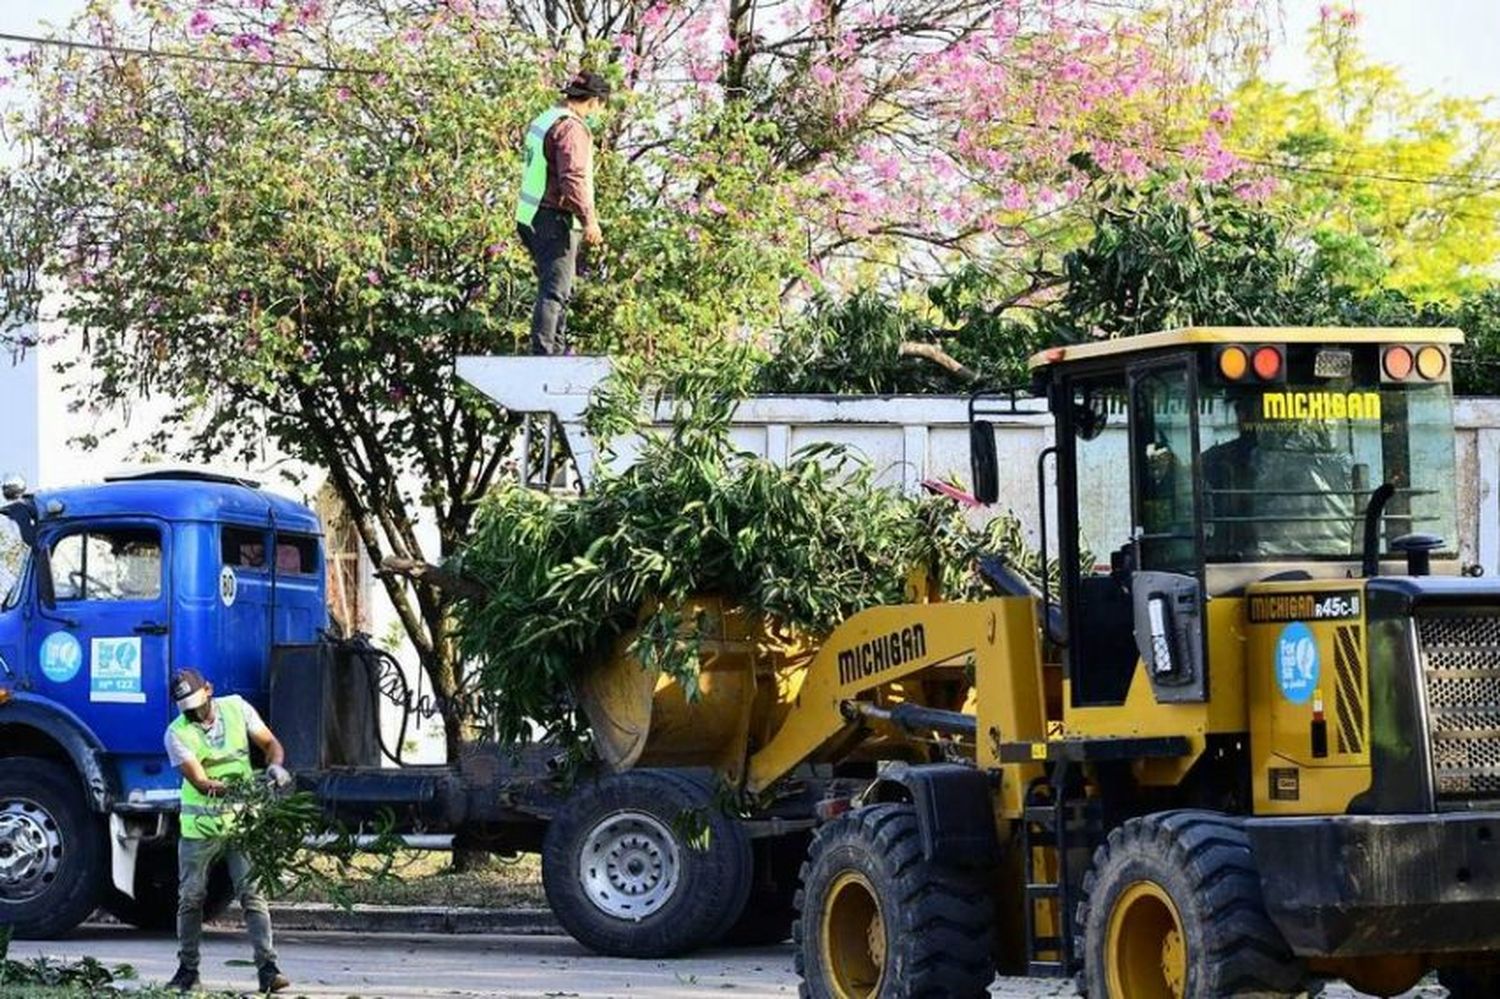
(154, 906)
(877, 919)
(1172, 908)
(1477, 981)
(645, 864)
(52, 849)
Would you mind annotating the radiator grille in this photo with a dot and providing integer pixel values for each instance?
(1461, 667)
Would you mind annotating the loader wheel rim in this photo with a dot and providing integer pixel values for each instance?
(854, 939)
(31, 849)
(1145, 951)
(629, 866)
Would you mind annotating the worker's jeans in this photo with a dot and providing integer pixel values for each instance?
(195, 858)
(553, 244)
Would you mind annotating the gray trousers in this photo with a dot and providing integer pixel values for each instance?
(553, 244)
(195, 858)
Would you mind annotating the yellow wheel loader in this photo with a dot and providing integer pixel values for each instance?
(1251, 739)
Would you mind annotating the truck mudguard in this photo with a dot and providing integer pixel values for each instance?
(955, 811)
(41, 715)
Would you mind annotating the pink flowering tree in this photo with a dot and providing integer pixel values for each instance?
(296, 218)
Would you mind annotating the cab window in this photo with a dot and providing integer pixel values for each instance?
(1163, 450)
(107, 565)
(15, 554)
(243, 547)
(296, 555)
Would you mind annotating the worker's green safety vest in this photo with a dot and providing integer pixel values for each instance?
(534, 176)
(203, 817)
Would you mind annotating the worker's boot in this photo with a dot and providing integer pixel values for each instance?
(271, 978)
(186, 979)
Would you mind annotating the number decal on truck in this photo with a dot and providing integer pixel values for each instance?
(229, 586)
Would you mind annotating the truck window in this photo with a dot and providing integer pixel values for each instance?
(296, 555)
(14, 554)
(243, 547)
(115, 564)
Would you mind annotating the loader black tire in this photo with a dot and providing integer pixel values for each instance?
(154, 907)
(646, 864)
(1478, 981)
(1188, 875)
(928, 927)
(53, 847)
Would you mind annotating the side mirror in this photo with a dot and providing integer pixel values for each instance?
(984, 462)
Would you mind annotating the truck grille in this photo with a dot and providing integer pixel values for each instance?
(1461, 667)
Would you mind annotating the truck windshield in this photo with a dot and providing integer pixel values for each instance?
(14, 554)
(1288, 469)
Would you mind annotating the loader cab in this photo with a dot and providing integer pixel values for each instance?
(1193, 463)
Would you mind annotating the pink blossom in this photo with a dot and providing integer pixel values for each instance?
(343, 94)
(1221, 116)
(200, 23)
(1013, 198)
(655, 15)
(823, 75)
(373, 277)
(309, 11)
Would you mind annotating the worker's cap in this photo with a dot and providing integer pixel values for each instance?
(189, 689)
(587, 85)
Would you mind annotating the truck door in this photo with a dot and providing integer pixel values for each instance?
(101, 648)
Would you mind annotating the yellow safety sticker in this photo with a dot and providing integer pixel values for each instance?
(1038, 750)
(1055, 730)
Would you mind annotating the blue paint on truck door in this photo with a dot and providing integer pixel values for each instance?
(102, 651)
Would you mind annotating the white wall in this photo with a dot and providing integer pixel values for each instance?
(20, 451)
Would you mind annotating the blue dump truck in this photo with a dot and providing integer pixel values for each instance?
(109, 587)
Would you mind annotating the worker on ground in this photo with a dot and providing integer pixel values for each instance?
(556, 205)
(209, 744)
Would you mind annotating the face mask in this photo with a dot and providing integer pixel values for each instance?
(198, 714)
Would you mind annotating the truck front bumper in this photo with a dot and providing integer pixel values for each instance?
(1356, 885)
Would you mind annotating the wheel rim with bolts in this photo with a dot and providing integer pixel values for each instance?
(30, 849)
(1145, 949)
(853, 937)
(629, 865)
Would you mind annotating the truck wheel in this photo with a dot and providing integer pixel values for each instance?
(1172, 908)
(877, 919)
(154, 906)
(1478, 981)
(52, 849)
(645, 864)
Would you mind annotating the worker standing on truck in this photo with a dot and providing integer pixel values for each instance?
(209, 743)
(556, 204)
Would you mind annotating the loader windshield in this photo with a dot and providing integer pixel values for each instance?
(1288, 469)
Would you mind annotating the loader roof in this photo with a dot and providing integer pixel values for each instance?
(1194, 336)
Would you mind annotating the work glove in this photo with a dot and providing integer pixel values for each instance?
(279, 775)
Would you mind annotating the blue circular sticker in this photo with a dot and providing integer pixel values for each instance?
(1297, 662)
(61, 657)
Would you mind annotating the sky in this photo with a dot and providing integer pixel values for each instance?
(1443, 45)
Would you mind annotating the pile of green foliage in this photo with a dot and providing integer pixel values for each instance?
(808, 545)
(274, 829)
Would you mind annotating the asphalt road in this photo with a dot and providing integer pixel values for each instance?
(425, 966)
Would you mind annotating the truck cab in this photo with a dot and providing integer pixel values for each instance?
(104, 590)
